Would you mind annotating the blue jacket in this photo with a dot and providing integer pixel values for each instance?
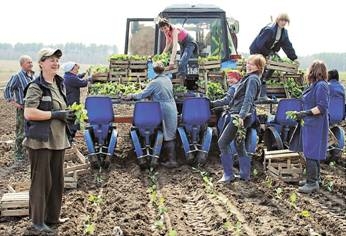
(73, 83)
(316, 127)
(263, 42)
(337, 101)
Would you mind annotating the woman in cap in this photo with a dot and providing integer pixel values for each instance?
(46, 139)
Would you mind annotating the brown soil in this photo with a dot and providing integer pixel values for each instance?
(189, 203)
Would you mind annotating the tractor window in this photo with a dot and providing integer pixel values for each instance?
(141, 38)
(206, 31)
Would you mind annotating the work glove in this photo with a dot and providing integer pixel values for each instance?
(66, 116)
(82, 75)
(301, 114)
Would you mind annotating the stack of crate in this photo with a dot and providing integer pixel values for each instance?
(211, 71)
(283, 71)
(137, 71)
(118, 70)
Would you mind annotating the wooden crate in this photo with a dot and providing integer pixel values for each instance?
(138, 65)
(117, 64)
(15, 204)
(70, 182)
(281, 66)
(210, 65)
(283, 164)
(100, 77)
(277, 91)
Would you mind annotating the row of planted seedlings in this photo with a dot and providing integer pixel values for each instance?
(162, 221)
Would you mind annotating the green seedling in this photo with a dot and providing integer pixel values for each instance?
(241, 131)
(305, 214)
(329, 185)
(293, 115)
(278, 192)
(293, 198)
(332, 164)
(269, 182)
(159, 224)
(255, 172)
(172, 232)
(227, 225)
(94, 200)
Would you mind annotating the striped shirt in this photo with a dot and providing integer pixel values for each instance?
(14, 90)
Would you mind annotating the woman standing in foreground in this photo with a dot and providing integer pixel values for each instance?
(46, 137)
(316, 124)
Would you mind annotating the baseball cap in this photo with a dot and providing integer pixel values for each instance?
(47, 52)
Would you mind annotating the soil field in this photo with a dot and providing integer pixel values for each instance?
(125, 200)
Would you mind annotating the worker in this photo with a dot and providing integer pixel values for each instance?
(160, 89)
(46, 139)
(14, 93)
(269, 41)
(187, 44)
(73, 82)
(243, 105)
(316, 124)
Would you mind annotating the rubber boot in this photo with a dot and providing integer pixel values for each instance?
(94, 161)
(106, 162)
(171, 153)
(227, 164)
(312, 172)
(245, 167)
(42, 228)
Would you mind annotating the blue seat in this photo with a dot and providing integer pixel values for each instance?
(100, 134)
(146, 133)
(194, 131)
(278, 131)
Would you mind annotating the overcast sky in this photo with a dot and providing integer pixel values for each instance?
(316, 26)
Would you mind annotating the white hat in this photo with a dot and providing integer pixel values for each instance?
(68, 66)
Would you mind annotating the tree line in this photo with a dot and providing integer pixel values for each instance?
(98, 54)
(81, 53)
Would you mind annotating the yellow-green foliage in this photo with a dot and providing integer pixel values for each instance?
(115, 89)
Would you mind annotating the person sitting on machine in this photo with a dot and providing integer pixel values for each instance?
(242, 105)
(160, 89)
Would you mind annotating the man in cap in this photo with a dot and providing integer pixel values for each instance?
(14, 93)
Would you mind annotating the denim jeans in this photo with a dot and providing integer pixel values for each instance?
(186, 53)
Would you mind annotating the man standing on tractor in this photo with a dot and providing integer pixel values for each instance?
(269, 41)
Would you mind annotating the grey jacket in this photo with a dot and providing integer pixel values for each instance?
(160, 89)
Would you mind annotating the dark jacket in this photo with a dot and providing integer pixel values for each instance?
(40, 129)
(243, 101)
(265, 39)
(73, 83)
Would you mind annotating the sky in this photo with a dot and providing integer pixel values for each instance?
(316, 26)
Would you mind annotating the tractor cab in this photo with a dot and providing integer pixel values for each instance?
(214, 33)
